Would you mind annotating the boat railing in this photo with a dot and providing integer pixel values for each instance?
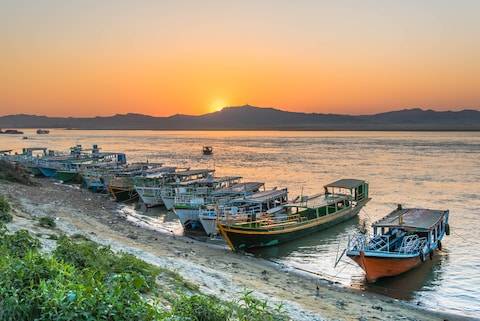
(357, 242)
(412, 244)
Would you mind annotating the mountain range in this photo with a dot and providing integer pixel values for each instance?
(256, 118)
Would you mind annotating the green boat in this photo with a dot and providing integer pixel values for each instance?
(68, 176)
(341, 201)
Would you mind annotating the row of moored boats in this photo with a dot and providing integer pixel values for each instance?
(246, 213)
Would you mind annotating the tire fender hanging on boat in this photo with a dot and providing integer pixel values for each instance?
(422, 256)
(439, 245)
(447, 229)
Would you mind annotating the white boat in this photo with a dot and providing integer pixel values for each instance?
(267, 201)
(155, 189)
(191, 195)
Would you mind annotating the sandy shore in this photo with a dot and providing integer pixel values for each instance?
(216, 270)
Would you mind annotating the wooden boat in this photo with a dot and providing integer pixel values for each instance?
(342, 200)
(243, 208)
(401, 241)
(155, 190)
(11, 132)
(43, 131)
(190, 196)
(207, 150)
(121, 185)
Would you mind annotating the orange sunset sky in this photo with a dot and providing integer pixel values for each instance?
(83, 58)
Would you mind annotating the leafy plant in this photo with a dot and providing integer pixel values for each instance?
(48, 222)
(85, 281)
(89, 255)
(5, 208)
(202, 308)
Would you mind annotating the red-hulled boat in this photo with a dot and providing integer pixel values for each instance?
(401, 241)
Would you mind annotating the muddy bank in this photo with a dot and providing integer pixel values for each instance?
(216, 270)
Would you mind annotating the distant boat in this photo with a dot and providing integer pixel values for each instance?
(11, 132)
(401, 241)
(207, 150)
(43, 131)
(25, 137)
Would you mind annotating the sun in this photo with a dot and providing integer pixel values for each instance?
(217, 105)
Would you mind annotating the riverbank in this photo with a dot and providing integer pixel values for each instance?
(214, 269)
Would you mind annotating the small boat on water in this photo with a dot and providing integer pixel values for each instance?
(43, 131)
(207, 150)
(342, 200)
(11, 132)
(401, 241)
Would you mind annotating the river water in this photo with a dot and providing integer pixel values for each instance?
(438, 170)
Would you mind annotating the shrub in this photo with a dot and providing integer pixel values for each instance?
(39, 287)
(5, 208)
(89, 255)
(19, 243)
(202, 308)
(47, 222)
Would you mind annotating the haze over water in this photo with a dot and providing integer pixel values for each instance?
(438, 170)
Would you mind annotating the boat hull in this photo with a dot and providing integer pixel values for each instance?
(123, 194)
(48, 172)
(169, 202)
(189, 218)
(149, 196)
(35, 171)
(376, 267)
(240, 239)
(67, 177)
(209, 224)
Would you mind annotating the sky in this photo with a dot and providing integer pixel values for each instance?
(84, 58)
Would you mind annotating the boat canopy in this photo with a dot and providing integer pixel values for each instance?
(192, 172)
(263, 196)
(347, 183)
(319, 200)
(412, 218)
(239, 188)
(209, 180)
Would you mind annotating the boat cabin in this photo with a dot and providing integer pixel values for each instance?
(425, 225)
(356, 188)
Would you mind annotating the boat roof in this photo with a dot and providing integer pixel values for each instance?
(413, 218)
(191, 172)
(319, 200)
(347, 183)
(207, 180)
(263, 196)
(239, 188)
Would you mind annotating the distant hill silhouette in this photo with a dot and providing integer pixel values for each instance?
(256, 118)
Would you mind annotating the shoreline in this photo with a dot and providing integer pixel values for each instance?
(216, 270)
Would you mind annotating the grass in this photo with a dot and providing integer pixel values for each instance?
(5, 208)
(82, 280)
(47, 222)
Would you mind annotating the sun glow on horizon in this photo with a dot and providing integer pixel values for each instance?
(217, 105)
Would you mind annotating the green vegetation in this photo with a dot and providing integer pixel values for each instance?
(5, 216)
(82, 280)
(48, 222)
(14, 173)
